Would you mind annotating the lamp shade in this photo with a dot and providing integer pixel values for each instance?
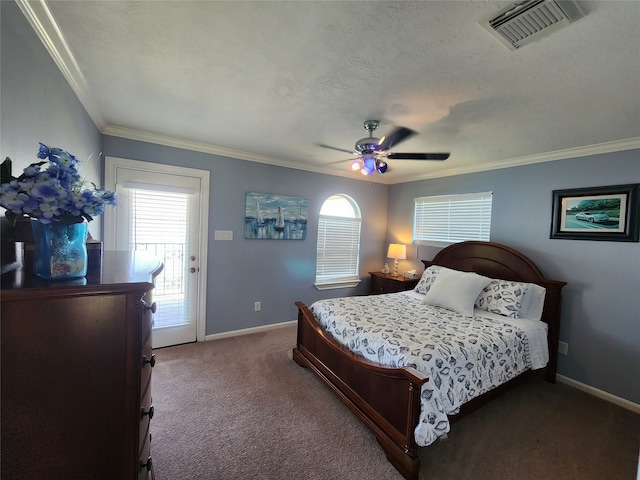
(397, 251)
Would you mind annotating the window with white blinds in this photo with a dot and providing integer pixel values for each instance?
(338, 249)
(447, 219)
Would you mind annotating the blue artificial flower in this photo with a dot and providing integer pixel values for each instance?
(30, 205)
(43, 152)
(31, 170)
(10, 198)
(47, 191)
(54, 193)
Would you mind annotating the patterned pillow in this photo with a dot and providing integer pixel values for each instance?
(427, 279)
(502, 297)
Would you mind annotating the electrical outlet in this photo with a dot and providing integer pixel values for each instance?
(563, 348)
(257, 306)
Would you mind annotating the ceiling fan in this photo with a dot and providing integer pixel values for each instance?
(372, 152)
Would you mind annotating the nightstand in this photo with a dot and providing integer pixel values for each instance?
(385, 283)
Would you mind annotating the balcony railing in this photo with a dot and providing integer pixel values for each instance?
(170, 284)
(171, 280)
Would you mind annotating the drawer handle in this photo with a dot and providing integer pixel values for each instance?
(153, 307)
(149, 412)
(148, 464)
(151, 361)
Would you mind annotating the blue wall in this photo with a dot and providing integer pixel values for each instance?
(274, 272)
(38, 105)
(601, 314)
(601, 302)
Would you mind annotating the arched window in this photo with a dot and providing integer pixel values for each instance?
(338, 243)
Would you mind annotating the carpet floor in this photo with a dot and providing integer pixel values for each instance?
(241, 408)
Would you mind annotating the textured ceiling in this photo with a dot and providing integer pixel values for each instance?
(269, 81)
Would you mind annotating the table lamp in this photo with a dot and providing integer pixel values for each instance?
(396, 251)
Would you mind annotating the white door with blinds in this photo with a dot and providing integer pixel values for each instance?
(160, 213)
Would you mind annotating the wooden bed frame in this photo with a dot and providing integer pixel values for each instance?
(387, 400)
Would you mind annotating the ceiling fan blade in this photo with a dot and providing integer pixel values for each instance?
(418, 156)
(396, 136)
(336, 148)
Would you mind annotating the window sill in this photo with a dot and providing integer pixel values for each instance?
(435, 243)
(337, 284)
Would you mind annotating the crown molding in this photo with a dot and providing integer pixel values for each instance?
(600, 148)
(595, 149)
(168, 141)
(39, 15)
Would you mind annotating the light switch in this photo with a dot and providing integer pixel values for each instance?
(223, 235)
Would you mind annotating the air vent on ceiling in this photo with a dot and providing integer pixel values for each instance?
(524, 22)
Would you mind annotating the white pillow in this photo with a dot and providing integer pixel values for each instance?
(533, 302)
(455, 290)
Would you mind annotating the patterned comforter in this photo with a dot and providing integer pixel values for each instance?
(463, 356)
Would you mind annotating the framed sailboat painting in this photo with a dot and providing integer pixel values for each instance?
(275, 217)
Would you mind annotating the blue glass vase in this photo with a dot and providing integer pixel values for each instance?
(60, 250)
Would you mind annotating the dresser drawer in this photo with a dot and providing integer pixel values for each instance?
(145, 465)
(146, 414)
(147, 362)
(148, 309)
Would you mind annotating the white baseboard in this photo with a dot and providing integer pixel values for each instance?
(634, 407)
(247, 331)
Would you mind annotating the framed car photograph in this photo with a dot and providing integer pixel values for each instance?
(596, 213)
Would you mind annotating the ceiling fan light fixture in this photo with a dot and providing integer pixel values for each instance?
(369, 165)
(371, 150)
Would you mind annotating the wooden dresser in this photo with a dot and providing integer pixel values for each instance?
(76, 365)
(386, 283)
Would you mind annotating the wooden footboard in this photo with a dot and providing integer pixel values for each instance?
(387, 400)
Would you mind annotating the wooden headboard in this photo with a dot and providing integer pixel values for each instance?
(499, 261)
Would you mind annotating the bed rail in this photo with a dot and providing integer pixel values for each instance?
(373, 393)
